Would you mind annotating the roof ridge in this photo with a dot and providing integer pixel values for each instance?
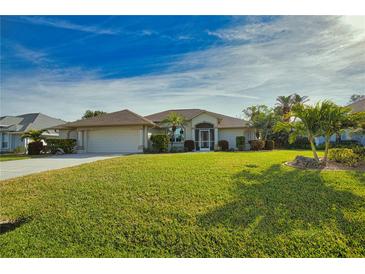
(139, 116)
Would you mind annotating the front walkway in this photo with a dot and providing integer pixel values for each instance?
(11, 169)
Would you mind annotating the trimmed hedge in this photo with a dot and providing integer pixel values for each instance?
(223, 144)
(67, 145)
(160, 143)
(35, 148)
(189, 145)
(240, 142)
(343, 155)
(257, 144)
(269, 145)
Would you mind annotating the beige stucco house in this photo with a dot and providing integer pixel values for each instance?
(127, 132)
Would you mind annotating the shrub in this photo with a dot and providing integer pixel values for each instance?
(269, 144)
(359, 150)
(300, 143)
(223, 144)
(343, 155)
(67, 145)
(257, 144)
(35, 148)
(189, 145)
(240, 142)
(160, 143)
(347, 144)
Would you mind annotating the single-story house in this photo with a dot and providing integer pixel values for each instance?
(358, 106)
(127, 132)
(12, 127)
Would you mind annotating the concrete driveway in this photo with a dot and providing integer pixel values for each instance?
(16, 168)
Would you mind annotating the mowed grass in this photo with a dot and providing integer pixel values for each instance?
(186, 205)
(12, 157)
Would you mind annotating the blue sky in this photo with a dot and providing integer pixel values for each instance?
(63, 65)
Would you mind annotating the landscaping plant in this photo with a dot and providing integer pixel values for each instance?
(160, 143)
(240, 142)
(223, 144)
(174, 120)
(35, 146)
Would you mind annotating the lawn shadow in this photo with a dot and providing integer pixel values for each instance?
(7, 226)
(279, 200)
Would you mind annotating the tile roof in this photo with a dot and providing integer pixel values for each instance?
(25, 122)
(358, 106)
(189, 114)
(119, 118)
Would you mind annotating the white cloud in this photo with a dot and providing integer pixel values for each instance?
(63, 24)
(322, 57)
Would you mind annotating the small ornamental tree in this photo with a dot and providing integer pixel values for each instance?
(240, 142)
(35, 146)
(33, 134)
(308, 125)
(173, 120)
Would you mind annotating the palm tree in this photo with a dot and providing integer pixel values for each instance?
(35, 135)
(285, 104)
(309, 125)
(174, 120)
(297, 99)
(334, 118)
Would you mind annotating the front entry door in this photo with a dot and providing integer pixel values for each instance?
(204, 140)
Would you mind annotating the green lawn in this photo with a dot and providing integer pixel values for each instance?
(11, 157)
(186, 205)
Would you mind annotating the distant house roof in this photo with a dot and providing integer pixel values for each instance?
(358, 106)
(189, 114)
(119, 118)
(25, 122)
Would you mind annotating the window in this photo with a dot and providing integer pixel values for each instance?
(178, 135)
(4, 140)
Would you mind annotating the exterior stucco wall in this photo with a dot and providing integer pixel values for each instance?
(230, 135)
(344, 136)
(67, 134)
(188, 129)
(16, 141)
(204, 118)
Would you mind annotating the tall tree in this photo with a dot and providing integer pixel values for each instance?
(297, 99)
(92, 113)
(284, 104)
(254, 115)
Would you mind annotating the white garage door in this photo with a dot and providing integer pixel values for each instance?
(115, 140)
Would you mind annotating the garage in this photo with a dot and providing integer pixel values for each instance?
(117, 132)
(114, 140)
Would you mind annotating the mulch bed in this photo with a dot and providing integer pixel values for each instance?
(331, 165)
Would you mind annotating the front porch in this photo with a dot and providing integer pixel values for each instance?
(205, 137)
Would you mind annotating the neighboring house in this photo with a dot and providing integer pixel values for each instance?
(358, 106)
(127, 132)
(12, 127)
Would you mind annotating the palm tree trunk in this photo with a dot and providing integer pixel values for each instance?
(173, 128)
(313, 147)
(326, 147)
